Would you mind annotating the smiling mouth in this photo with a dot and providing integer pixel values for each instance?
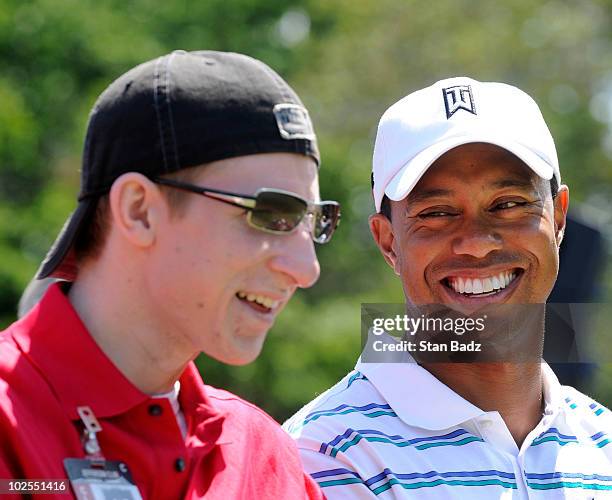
(482, 287)
(258, 302)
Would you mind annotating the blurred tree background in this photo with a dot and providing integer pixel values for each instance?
(348, 60)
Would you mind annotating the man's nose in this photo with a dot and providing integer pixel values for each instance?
(295, 257)
(476, 238)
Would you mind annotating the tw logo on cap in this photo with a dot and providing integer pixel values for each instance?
(458, 97)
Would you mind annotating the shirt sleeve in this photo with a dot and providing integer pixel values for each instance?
(337, 480)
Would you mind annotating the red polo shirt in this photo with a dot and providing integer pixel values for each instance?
(49, 365)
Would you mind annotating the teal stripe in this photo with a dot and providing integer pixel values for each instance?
(536, 442)
(438, 482)
(599, 412)
(356, 376)
(337, 482)
(400, 444)
(552, 438)
(350, 410)
(346, 445)
(567, 484)
(449, 443)
(573, 406)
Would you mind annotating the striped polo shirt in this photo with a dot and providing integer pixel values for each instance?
(392, 430)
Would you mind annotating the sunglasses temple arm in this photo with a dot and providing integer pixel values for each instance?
(237, 201)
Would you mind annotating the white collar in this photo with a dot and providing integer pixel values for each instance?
(172, 394)
(421, 400)
(551, 389)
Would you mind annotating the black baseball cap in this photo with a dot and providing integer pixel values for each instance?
(178, 111)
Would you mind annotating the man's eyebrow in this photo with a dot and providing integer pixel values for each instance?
(439, 192)
(426, 194)
(504, 183)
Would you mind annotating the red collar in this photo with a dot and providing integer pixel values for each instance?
(56, 341)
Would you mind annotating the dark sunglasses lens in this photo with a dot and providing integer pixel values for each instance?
(278, 212)
(326, 221)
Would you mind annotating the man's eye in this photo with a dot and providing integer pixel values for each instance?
(437, 213)
(509, 204)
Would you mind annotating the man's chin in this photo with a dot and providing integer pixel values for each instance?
(492, 332)
(248, 349)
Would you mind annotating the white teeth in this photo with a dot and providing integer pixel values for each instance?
(259, 299)
(481, 285)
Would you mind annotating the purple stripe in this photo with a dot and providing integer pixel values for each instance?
(348, 432)
(333, 472)
(427, 475)
(578, 475)
(343, 406)
(554, 430)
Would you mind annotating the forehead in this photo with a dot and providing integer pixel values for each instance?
(475, 166)
(247, 174)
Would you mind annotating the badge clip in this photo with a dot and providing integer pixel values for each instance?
(95, 477)
(92, 427)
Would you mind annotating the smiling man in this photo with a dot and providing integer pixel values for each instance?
(470, 215)
(196, 223)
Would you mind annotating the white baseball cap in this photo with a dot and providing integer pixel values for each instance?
(415, 131)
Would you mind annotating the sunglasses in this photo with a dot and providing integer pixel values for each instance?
(274, 210)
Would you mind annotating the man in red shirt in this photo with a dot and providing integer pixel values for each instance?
(198, 210)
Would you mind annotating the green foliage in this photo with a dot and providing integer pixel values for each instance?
(360, 56)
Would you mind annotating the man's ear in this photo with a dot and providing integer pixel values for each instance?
(136, 204)
(561, 203)
(382, 231)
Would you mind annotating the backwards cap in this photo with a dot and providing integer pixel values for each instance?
(181, 110)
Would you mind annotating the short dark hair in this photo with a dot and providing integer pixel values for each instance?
(385, 206)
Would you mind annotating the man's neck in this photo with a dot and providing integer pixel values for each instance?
(512, 389)
(137, 345)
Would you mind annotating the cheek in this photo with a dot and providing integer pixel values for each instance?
(548, 258)
(539, 238)
(183, 273)
(412, 263)
(537, 242)
(185, 287)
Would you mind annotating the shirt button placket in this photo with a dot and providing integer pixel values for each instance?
(179, 464)
(155, 410)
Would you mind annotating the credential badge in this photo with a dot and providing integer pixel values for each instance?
(293, 122)
(458, 97)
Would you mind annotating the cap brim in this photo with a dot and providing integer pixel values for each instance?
(409, 175)
(60, 261)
